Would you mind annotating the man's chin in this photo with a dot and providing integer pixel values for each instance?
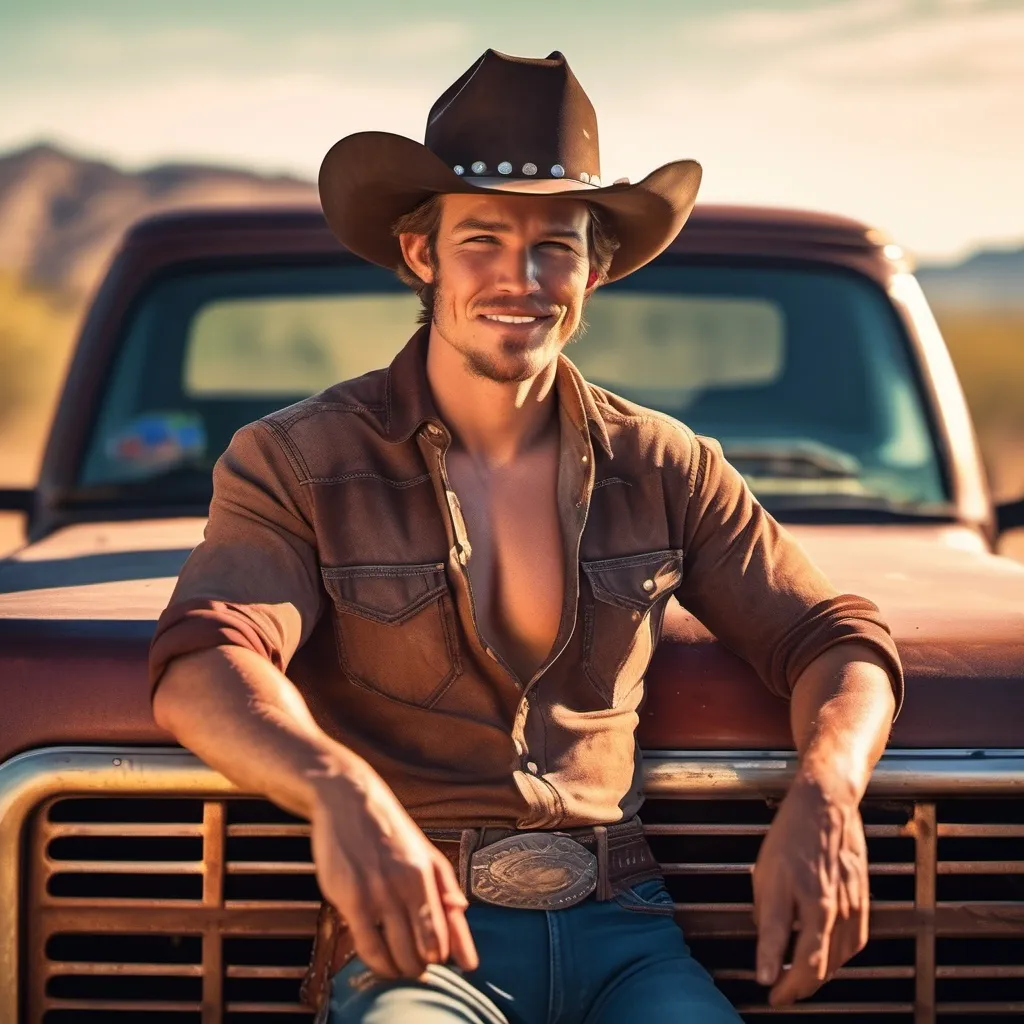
(505, 368)
(512, 359)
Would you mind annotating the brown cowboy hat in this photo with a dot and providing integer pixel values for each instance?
(509, 124)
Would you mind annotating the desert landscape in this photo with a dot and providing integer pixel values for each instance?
(61, 217)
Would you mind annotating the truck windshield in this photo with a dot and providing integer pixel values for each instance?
(802, 373)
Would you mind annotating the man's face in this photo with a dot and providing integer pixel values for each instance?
(500, 257)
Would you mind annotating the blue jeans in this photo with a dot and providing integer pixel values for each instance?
(596, 963)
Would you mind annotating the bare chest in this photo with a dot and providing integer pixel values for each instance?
(517, 565)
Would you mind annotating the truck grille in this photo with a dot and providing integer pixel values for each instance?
(947, 918)
(201, 910)
(196, 910)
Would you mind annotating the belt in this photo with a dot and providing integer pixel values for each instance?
(547, 870)
(506, 867)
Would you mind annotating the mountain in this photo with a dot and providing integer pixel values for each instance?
(61, 216)
(990, 279)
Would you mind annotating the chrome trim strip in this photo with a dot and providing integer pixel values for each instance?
(28, 779)
(917, 774)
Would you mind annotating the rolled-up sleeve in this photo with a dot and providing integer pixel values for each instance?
(254, 581)
(751, 583)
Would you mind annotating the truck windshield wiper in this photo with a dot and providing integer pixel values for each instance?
(806, 459)
(860, 507)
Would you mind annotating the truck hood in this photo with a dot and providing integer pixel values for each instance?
(97, 579)
(77, 610)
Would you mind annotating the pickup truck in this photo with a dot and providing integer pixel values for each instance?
(137, 884)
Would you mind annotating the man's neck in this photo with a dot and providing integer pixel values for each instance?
(493, 422)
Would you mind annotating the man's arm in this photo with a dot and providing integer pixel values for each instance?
(246, 599)
(833, 657)
(812, 868)
(396, 891)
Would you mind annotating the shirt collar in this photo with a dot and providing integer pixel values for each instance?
(576, 394)
(409, 404)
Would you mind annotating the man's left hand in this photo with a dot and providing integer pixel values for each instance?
(811, 874)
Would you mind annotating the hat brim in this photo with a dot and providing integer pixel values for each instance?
(370, 179)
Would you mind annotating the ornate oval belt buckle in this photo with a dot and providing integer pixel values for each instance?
(533, 871)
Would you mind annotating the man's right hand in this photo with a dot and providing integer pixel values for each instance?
(396, 891)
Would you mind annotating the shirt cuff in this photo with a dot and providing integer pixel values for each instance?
(846, 618)
(200, 624)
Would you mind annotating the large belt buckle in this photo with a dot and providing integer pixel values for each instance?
(533, 871)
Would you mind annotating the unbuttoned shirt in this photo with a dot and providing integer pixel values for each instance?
(336, 548)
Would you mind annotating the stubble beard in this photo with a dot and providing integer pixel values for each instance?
(486, 365)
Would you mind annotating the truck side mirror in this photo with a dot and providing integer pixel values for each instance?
(16, 499)
(1010, 515)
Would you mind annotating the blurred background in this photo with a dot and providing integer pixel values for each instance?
(908, 114)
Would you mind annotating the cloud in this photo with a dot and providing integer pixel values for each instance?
(940, 171)
(874, 44)
(281, 122)
(900, 112)
(759, 28)
(965, 48)
(74, 48)
(139, 93)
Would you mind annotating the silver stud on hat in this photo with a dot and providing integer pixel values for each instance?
(459, 169)
(595, 180)
(584, 177)
(504, 167)
(529, 169)
(478, 167)
(557, 171)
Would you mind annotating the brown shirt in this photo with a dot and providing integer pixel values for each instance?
(336, 548)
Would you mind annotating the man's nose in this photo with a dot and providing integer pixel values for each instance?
(519, 271)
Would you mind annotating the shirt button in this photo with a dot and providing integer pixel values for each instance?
(531, 767)
(586, 459)
(648, 585)
(433, 430)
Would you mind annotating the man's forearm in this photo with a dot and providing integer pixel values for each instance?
(841, 713)
(397, 893)
(246, 719)
(812, 869)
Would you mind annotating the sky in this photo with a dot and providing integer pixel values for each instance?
(908, 114)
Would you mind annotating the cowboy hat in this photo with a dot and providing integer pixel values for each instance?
(509, 124)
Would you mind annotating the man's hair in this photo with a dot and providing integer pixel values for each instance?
(425, 219)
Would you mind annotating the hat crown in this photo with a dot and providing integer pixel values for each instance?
(516, 116)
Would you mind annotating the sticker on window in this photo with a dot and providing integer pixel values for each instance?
(156, 442)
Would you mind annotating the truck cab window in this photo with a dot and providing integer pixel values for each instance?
(801, 372)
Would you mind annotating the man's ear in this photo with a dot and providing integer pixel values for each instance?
(416, 251)
(593, 282)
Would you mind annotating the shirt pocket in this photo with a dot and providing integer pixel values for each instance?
(622, 618)
(395, 629)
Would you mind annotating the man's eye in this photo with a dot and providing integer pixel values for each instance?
(560, 245)
(482, 238)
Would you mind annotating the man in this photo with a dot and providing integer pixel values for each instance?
(463, 564)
